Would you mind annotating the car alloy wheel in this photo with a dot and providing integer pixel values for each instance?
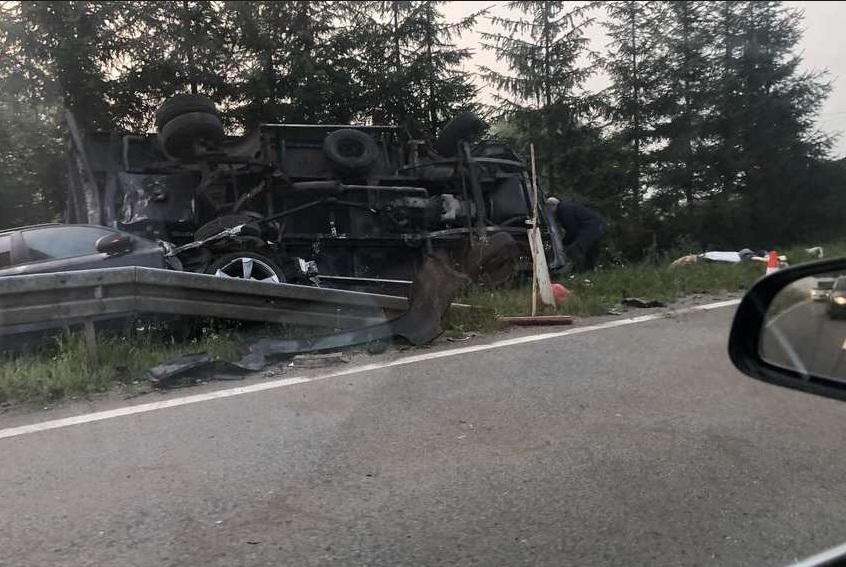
(247, 268)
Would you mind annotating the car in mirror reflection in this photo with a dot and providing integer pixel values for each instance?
(837, 299)
(805, 335)
(822, 290)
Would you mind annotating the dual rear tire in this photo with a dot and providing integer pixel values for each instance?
(187, 123)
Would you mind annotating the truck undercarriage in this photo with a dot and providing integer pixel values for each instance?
(345, 206)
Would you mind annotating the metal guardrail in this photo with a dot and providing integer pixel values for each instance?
(44, 301)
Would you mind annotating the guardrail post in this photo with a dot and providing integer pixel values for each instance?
(90, 335)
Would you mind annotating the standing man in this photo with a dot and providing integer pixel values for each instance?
(583, 229)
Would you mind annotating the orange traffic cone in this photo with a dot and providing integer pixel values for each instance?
(772, 262)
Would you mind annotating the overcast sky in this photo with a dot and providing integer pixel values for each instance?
(823, 47)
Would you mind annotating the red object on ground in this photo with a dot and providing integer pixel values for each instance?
(772, 262)
(560, 293)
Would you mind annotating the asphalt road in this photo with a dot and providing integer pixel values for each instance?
(622, 446)
(806, 339)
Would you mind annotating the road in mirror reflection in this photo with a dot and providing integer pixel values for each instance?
(805, 327)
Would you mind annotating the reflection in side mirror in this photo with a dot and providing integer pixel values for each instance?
(790, 329)
(805, 327)
(114, 244)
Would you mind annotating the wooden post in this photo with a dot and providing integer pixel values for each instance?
(541, 284)
(534, 225)
(90, 335)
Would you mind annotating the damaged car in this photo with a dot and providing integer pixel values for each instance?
(63, 248)
(50, 248)
(334, 205)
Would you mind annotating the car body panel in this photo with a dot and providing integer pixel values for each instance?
(24, 258)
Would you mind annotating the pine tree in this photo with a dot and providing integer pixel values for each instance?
(171, 47)
(414, 73)
(32, 154)
(385, 40)
(773, 111)
(297, 62)
(548, 60)
(726, 97)
(631, 63)
(56, 57)
(435, 68)
(542, 50)
(685, 72)
(60, 52)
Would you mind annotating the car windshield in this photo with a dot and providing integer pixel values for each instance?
(56, 242)
(417, 282)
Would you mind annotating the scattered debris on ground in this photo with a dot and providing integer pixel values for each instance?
(731, 257)
(191, 368)
(642, 303)
(318, 360)
(462, 338)
(538, 320)
(815, 251)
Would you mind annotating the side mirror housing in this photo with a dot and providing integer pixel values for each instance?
(790, 329)
(114, 244)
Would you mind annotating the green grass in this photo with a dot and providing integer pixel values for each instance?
(598, 292)
(66, 369)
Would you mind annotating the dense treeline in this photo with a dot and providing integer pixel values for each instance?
(705, 137)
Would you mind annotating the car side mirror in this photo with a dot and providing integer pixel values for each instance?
(114, 244)
(790, 329)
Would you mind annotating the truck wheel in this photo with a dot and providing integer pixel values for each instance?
(463, 127)
(183, 104)
(352, 150)
(246, 266)
(180, 134)
(494, 263)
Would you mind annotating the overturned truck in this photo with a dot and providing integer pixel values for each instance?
(332, 205)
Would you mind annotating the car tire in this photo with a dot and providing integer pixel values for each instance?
(464, 127)
(238, 265)
(351, 150)
(183, 104)
(222, 223)
(179, 135)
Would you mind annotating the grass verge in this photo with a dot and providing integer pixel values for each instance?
(67, 371)
(599, 292)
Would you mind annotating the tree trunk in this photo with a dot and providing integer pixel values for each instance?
(687, 122)
(433, 117)
(268, 111)
(392, 115)
(726, 89)
(189, 43)
(87, 182)
(637, 110)
(549, 166)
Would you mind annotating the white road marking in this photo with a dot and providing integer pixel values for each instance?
(282, 383)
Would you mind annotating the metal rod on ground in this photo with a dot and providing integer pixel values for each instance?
(539, 321)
